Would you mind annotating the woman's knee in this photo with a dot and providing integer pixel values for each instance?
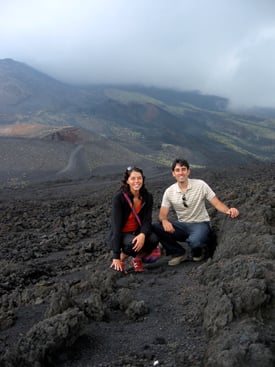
(127, 244)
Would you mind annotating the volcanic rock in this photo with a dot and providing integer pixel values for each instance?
(62, 305)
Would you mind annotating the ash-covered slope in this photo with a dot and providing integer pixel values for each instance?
(154, 123)
(61, 304)
(24, 89)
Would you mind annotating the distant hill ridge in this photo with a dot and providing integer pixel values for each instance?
(146, 124)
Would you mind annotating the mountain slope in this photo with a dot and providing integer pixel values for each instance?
(134, 123)
(26, 90)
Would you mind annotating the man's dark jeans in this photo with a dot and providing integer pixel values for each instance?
(196, 235)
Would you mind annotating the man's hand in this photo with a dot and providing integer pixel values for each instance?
(232, 212)
(167, 226)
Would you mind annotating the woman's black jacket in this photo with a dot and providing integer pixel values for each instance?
(120, 213)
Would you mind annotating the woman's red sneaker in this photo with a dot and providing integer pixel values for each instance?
(154, 256)
(137, 264)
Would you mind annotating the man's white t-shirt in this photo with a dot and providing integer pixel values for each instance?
(197, 192)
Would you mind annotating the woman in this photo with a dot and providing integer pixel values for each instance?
(131, 220)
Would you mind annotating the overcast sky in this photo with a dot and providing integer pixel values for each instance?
(223, 47)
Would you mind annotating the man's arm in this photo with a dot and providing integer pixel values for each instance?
(221, 207)
(163, 213)
(163, 218)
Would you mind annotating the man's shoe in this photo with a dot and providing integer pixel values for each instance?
(199, 255)
(137, 264)
(177, 259)
(198, 258)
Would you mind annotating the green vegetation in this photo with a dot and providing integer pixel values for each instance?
(125, 97)
(231, 144)
(125, 133)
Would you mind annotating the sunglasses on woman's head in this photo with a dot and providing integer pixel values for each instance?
(132, 168)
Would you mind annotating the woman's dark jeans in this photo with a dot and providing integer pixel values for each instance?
(151, 242)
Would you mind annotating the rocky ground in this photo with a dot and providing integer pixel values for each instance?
(61, 304)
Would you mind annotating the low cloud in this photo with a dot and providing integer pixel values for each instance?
(215, 46)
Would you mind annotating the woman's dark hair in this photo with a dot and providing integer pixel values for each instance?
(126, 188)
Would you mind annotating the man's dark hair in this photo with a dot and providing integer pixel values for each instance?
(181, 162)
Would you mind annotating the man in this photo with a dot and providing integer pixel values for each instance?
(187, 197)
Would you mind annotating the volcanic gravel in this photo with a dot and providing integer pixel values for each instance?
(62, 305)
